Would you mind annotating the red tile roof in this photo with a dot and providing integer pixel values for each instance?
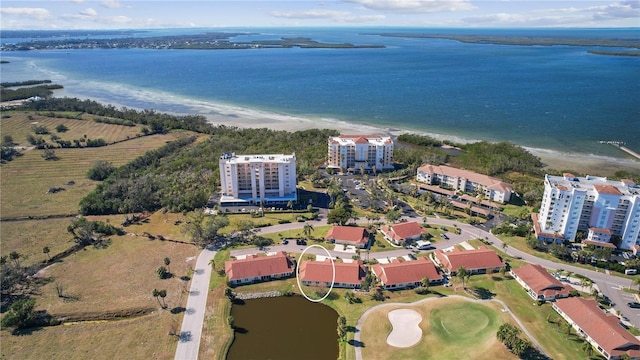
(352, 235)
(322, 271)
(402, 272)
(484, 180)
(400, 232)
(607, 189)
(599, 243)
(257, 266)
(541, 282)
(481, 258)
(604, 329)
(601, 230)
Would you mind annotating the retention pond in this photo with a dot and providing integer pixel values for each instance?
(284, 328)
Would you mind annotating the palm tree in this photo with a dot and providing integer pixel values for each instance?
(505, 246)
(167, 261)
(290, 205)
(163, 293)
(463, 273)
(307, 230)
(586, 347)
(156, 295)
(212, 262)
(425, 282)
(46, 251)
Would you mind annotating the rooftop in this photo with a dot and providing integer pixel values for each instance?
(481, 258)
(257, 266)
(402, 231)
(402, 272)
(361, 139)
(351, 234)
(484, 180)
(274, 158)
(322, 271)
(604, 329)
(601, 185)
(540, 281)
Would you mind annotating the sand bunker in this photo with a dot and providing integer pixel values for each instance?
(405, 331)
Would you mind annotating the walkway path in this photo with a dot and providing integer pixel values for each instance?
(358, 345)
(191, 331)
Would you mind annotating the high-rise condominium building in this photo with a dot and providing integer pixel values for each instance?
(258, 179)
(599, 207)
(360, 152)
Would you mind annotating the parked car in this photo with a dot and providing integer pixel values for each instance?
(634, 305)
(444, 236)
(301, 242)
(285, 242)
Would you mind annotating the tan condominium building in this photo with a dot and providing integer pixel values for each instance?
(465, 180)
(257, 179)
(369, 153)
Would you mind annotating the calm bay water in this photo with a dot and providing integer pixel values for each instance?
(559, 97)
(284, 328)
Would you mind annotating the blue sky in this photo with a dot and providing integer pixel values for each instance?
(115, 14)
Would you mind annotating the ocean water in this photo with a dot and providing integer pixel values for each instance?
(559, 98)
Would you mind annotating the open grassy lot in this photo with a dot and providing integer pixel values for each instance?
(26, 179)
(30, 236)
(19, 125)
(451, 328)
(140, 338)
(100, 282)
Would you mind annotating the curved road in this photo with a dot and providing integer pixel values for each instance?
(191, 330)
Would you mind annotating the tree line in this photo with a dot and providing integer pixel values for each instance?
(42, 91)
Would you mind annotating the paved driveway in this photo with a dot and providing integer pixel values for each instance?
(191, 330)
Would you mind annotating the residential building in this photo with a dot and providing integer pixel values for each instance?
(258, 179)
(539, 284)
(403, 274)
(348, 235)
(477, 261)
(466, 181)
(602, 209)
(320, 273)
(600, 329)
(255, 268)
(402, 232)
(360, 152)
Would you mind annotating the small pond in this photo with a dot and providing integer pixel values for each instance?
(283, 328)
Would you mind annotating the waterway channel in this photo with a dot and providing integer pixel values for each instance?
(284, 328)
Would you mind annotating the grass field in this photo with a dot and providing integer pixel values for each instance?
(452, 328)
(26, 179)
(98, 282)
(30, 236)
(18, 126)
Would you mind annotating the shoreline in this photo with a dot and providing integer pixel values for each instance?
(243, 117)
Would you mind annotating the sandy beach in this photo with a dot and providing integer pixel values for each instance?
(579, 163)
(230, 115)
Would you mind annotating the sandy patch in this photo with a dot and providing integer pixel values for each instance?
(405, 330)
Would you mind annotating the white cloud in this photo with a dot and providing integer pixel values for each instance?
(88, 12)
(416, 6)
(34, 13)
(111, 4)
(333, 15)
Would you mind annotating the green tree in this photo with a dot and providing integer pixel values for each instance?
(7, 141)
(20, 315)
(15, 257)
(100, 170)
(290, 205)
(425, 282)
(587, 348)
(307, 230)
(162, 272)
(46, 251)
(339, 215)
(393, 215)
(61, 128)
(49, 154)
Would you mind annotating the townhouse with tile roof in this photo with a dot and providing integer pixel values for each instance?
(349, 235)
(255, 268)
(402, 232)
(321, 273)
(600, 329)
(477, 261)
(406, 274)
(539, 284)
(464, 180)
